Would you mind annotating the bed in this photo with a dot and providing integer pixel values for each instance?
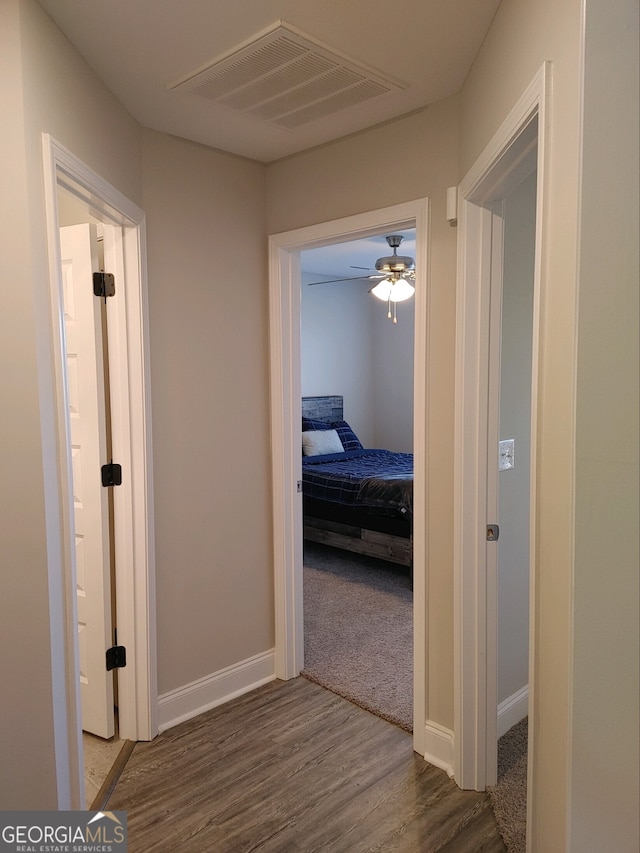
(355, 498)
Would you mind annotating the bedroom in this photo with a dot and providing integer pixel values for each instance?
(351, 348)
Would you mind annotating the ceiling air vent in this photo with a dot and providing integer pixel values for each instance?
(285, 78)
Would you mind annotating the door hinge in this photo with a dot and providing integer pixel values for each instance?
(111, 474)
(104, 284)
(116, 657)
(493, 532)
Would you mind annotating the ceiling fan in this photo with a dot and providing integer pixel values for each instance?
(401, 265)
(395, 274)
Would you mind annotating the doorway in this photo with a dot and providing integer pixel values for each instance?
(286, 393)
(516, 153)
(95, 201)
(356, 569)
(511, 509)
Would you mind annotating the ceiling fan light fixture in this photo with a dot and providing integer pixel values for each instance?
(393, 290)
(382, 290)
(402, 290)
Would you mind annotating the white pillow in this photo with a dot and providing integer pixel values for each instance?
(317, 442)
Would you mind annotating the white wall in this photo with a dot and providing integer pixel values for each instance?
(393, 369)
(28, 717)
(210, 406)
(515, 417)
(44, 86)
(349, 347)
(604, 748)
(337, 349)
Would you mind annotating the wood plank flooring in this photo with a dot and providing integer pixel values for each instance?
(293, 768)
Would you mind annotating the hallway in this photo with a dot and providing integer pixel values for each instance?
(292, 767)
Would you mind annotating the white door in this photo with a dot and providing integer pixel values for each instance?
(87, 416)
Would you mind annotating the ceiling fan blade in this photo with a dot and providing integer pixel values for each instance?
(334, 280)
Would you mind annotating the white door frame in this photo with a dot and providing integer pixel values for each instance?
(502, 165)
(133, 500)
(284, 308)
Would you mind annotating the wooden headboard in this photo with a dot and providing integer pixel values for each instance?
(329, 409)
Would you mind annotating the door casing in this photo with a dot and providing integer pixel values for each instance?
(133, 501)
(284, 306)
(519, 144)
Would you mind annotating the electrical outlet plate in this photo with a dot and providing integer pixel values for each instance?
(507, 454)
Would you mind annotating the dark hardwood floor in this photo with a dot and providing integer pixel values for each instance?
(294, 768)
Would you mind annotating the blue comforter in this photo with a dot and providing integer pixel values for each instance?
(364, 478)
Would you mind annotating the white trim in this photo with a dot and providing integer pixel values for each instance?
(513, 709)
(500, 165)
(490, 471)
(284, 305)
(438, 746)
(131, 408)
(470, 677)
(220, 687)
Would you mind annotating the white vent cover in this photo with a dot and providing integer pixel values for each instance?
(283, 77)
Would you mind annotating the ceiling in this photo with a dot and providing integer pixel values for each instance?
(336, 67)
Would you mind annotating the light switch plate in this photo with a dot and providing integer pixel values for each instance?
(507, 454)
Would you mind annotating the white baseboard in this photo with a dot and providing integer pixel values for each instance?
(438, 747)
(186, 702)
(513, 709)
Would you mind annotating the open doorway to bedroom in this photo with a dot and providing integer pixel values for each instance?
(286, 395)
(356, 365)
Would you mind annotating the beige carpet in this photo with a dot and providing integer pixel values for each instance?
(509, 796)
(358, 626)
